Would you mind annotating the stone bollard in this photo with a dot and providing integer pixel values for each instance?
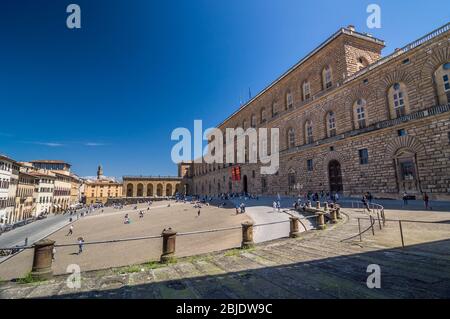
(294, 233)
(321, 221)
(318, 204)
(168, 252)
(333, 214)
(338, 212)
(325, 207)
(42, 260)
(247, 235)
(309, 204)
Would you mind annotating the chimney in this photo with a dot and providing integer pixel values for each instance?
(351, 27)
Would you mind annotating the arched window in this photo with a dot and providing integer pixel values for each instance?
(149, 190)
(291, 179)
(361, 63)
(331, 124)
(253, 121)
(263, 115)
(289, 100)
(359, 111)
(309, 132)
(306, 88)
(290, 138)
(442, 80)
(254, 153)
(327, 77)
(398, 100)
(244, 124)
(140, 190)
(274, 108)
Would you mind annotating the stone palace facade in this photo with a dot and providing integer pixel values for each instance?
(350, 121)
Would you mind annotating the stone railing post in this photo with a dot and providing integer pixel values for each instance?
(318, 205)
(338, 212)
(247, 235)
(42, 260)
(309, 204)
(168, 251)
(333, 214)
(294, 232)
(321, 221)
(325, 206)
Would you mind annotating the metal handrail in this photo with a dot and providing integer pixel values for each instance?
(156, 236)
(374, 207)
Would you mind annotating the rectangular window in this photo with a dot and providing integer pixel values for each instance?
(290, 101)
(306, 91)
(446, 83)
(363, 156)
(309, 164)
(407, 170)
(264, 184)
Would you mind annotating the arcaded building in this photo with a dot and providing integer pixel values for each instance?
(351, 121)
(150, 187)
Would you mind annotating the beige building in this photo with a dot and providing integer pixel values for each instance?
(9, 178)
(43, 196)
(102, 189)
(351, 121)
(148, 187)
(25, 197)
(75, 189)
(60, 176)
(62, 192)
(151, 186)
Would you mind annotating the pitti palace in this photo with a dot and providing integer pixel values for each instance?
(350, 121)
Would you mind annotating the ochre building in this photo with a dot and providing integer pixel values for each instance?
(101, 189)
(150, 187)
(351, 121)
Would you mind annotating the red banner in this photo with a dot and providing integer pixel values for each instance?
(236, 174)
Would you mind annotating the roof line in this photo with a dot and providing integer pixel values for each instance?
(303, 60)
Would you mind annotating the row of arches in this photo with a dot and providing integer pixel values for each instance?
(151, 190)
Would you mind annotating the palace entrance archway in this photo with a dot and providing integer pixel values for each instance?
(335, 176)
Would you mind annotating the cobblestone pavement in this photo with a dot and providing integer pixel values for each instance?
(317, 265)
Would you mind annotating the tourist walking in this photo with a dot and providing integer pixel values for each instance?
(70, 230)
(364, 201)
(405, 199)
(426, 200)
(80, 245)
(274, 206)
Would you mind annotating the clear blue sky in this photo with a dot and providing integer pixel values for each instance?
(113, 91)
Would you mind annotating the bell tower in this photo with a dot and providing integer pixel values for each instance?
(99, 172)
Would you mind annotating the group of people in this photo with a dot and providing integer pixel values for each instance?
(322, 196)
(240, 209)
